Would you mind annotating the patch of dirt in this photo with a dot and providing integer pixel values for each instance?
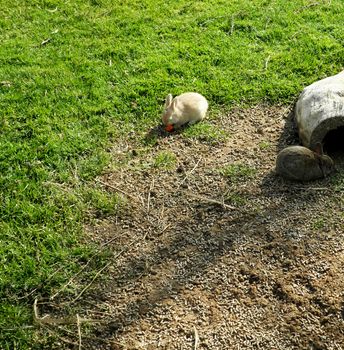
(202, 260)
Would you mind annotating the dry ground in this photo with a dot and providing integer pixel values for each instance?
(202, 260)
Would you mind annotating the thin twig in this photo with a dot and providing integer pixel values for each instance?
(106, 266)
(79, 329)
(210, 200)
(83, 268)
(196, 336)
(46, 319)
(189, 173)
(149, 195)
(93, 279)
(164, 229)
(315, 188)
(49, 320)
(119, 190)
(52, 330)
(45, 282)
(35, 311)
(70, 333)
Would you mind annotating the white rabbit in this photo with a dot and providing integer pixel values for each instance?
(189, 107)
(301, 164)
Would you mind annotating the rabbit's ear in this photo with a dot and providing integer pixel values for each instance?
(168, 100)
(174, 103)
(318, 149)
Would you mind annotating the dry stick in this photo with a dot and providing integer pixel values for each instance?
(35, 312)
(49, 320)
(65, 340)
(45, 281)
(94, 278)
(119, 190)
(83, 268)
(164, 229)
(196, 338)
(189, 173)
(315, 188)
(79, 329)
(149, 195)
(210, 200)
(93, 338)
(85, 336)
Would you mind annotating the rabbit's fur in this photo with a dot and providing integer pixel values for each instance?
(301, 164)
(189, 107)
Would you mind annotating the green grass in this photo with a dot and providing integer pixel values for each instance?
(236, 172)
(165, 160)
(236, 199)
(337, 180)
(105, 69)
(264, 145)
(205, 132)
(320, 223)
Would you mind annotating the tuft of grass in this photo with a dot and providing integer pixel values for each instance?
(235, 199)
(103, 203)
(205, 132)
(337, 181)
(264, 145)
(238, 172)
(165, 160)
(320, 223)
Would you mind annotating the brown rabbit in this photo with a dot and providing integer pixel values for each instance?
(189, 107)
(301, 164)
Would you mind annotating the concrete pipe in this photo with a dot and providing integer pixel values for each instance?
(320, 109)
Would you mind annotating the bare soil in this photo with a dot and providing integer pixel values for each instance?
(202, 260)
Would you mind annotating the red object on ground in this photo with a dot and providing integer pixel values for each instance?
(169, 128)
